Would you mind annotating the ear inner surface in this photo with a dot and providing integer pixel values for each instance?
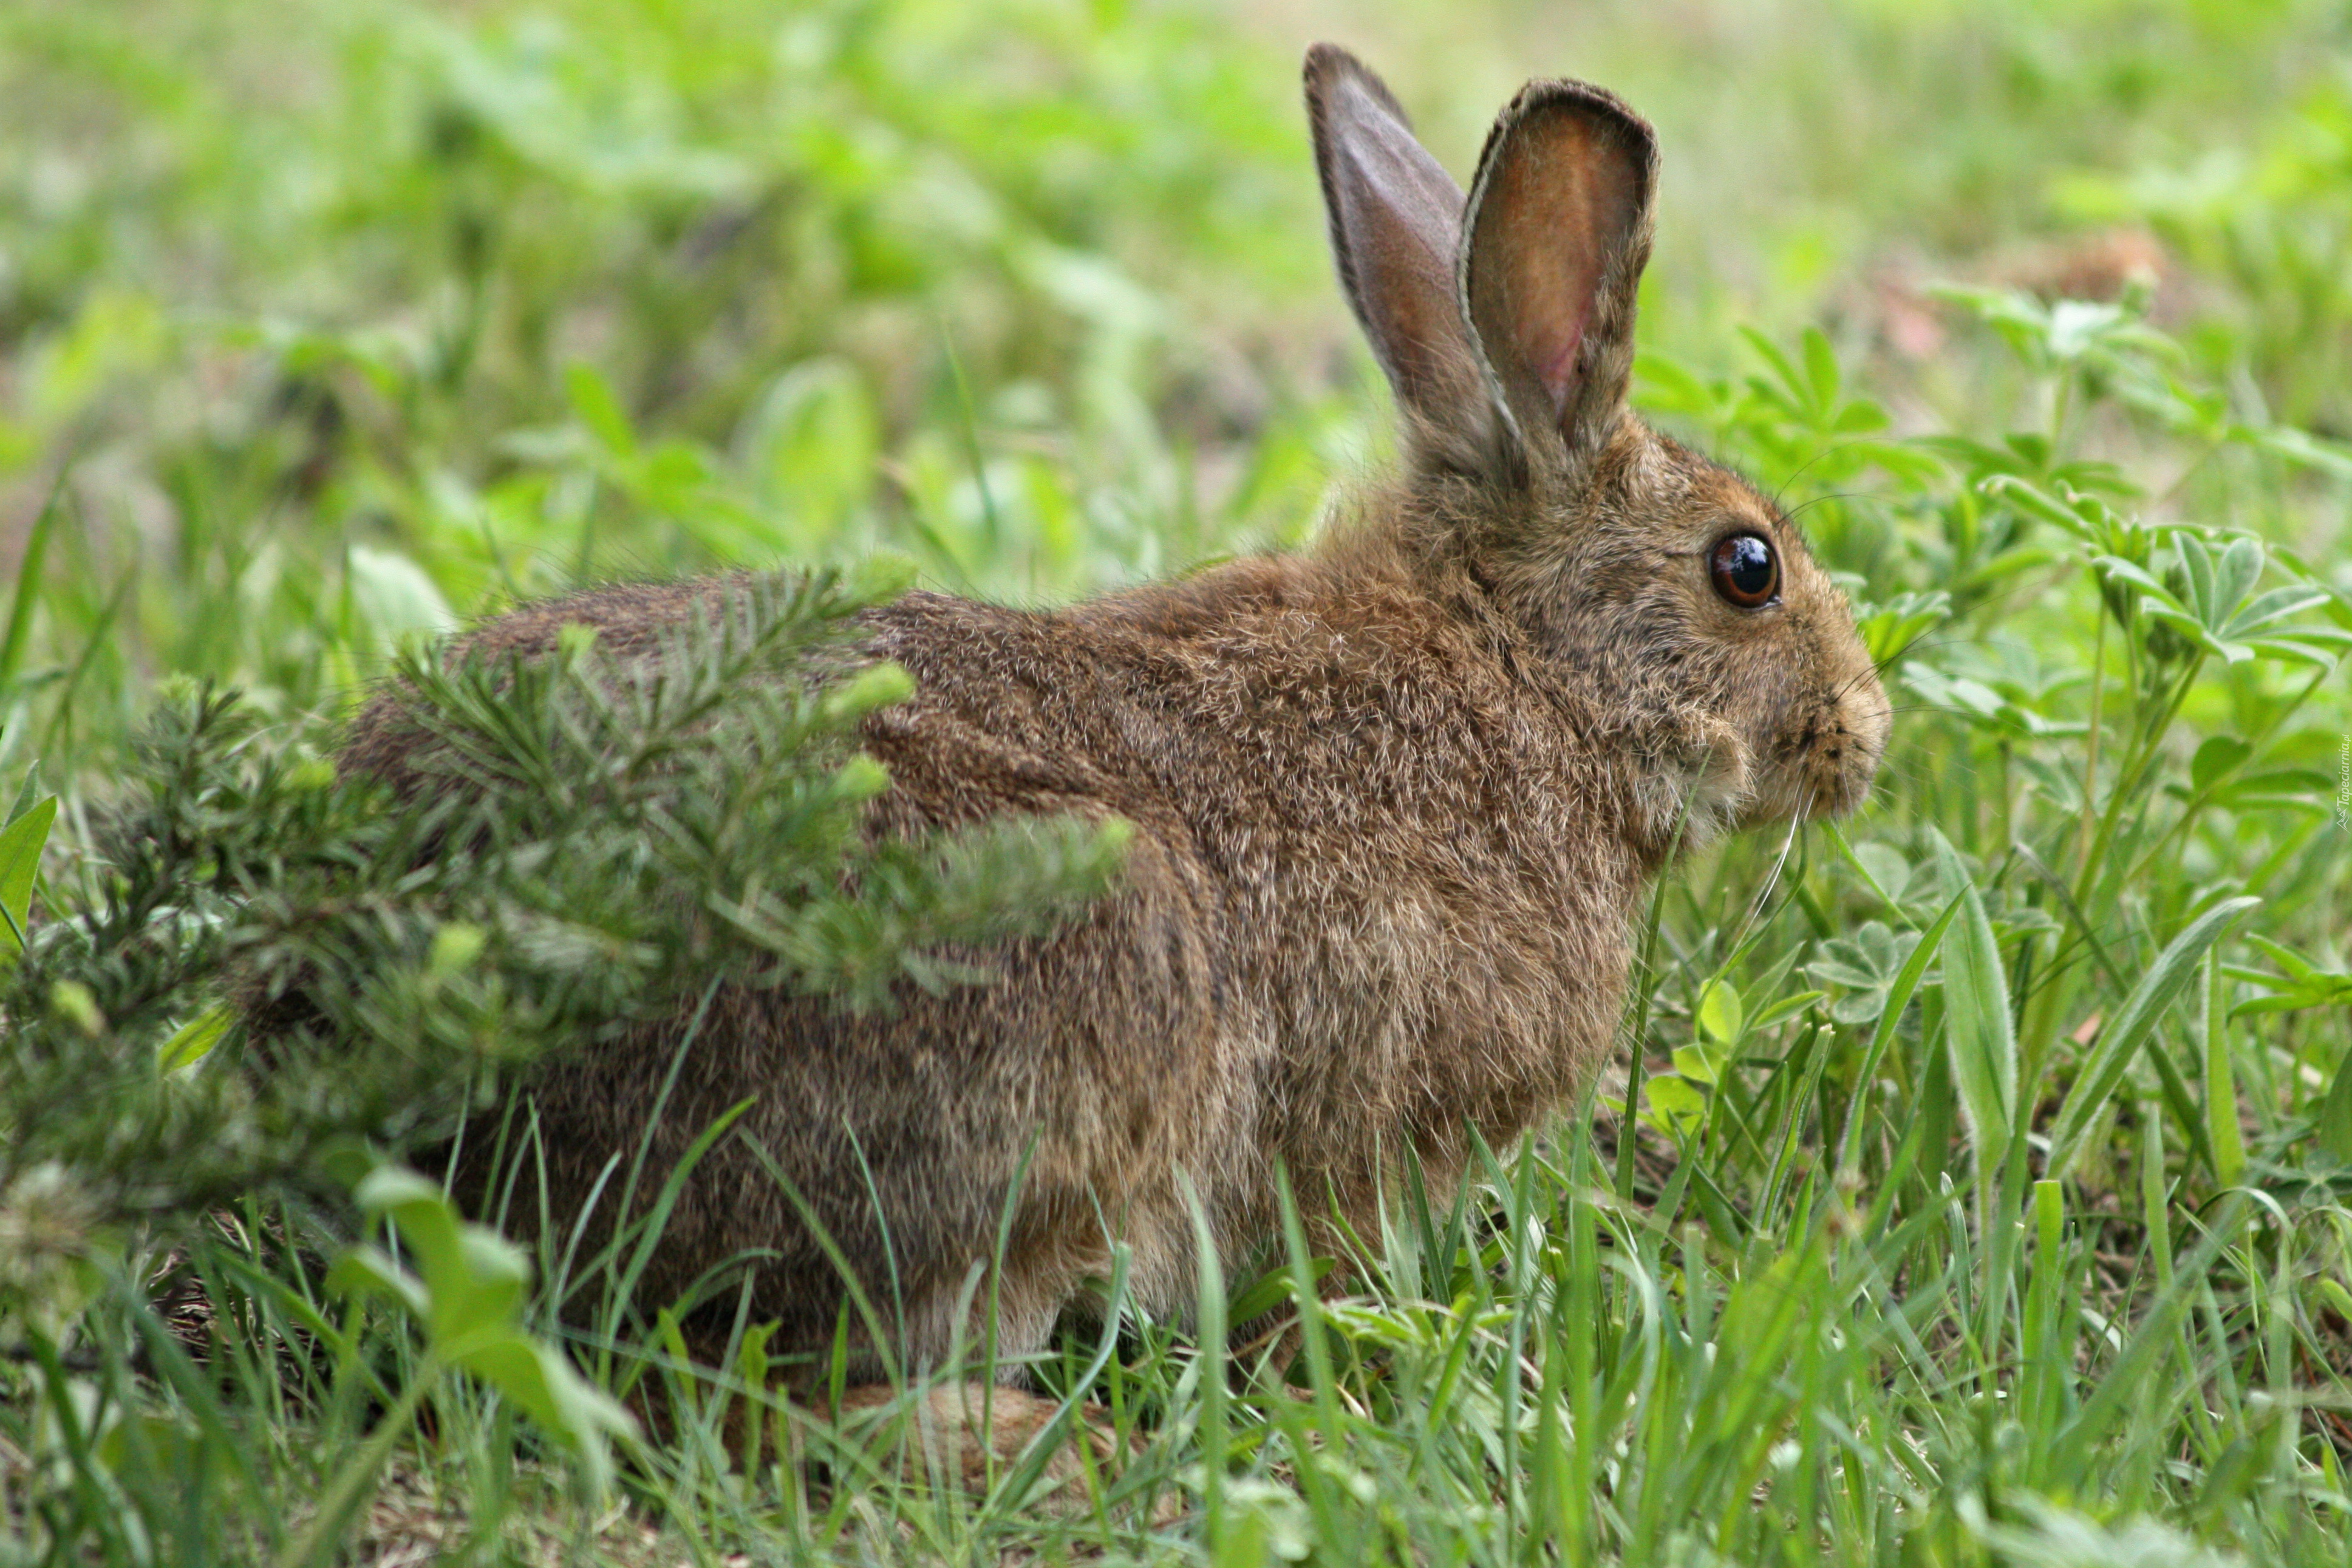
(1396, 218)
(1559, 230)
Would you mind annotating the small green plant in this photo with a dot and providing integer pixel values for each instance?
(465, 1294)
(391, 957)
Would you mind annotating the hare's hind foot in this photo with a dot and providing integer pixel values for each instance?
(980, 1438)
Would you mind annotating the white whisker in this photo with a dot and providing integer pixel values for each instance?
(1779, 864)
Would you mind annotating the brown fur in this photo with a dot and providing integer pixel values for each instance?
(1395, 800)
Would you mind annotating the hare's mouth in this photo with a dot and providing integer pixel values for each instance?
(1841, 769)
(1837, 757)
(1825, 774)
(1844, 789)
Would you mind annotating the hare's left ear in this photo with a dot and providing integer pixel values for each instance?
(1396, 235)
(1552, 250)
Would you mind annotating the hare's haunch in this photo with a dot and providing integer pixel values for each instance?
(1395, 800)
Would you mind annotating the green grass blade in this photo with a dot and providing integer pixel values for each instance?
(19, 631)
(2134, 1023)
(1898, 998)
(2220, 1087)
(1978, 1031)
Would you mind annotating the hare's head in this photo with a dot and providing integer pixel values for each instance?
(1719, 662)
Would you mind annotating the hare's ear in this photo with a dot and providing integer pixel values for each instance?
(1396, 228)
(1559, 230)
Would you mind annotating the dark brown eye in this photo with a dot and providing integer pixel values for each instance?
(1745, 570)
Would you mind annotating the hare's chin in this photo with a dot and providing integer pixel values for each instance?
(1696, 807)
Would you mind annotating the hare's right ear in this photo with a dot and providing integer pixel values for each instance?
(1396, 229)
(1558, 233)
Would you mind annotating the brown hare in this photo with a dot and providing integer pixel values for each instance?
(1394, 801)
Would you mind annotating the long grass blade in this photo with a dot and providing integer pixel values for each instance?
(2133, 1025)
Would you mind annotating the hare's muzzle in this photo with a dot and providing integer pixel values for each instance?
(1845, 745)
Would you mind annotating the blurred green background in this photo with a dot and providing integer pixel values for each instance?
(338, 319)
(325, 323)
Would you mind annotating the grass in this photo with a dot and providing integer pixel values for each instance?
(1972, 1187)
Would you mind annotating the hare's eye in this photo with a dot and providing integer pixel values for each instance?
(1745, 570)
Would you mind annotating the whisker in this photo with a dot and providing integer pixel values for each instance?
(1792, 513)
(1922, 640)
(1779, 864)
(1831, 450)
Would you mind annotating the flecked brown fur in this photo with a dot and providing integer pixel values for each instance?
(1396, 800)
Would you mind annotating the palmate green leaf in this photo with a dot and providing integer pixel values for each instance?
(1699, 1064)
(1884, 869)
(1844, 975)
(1667, 385)
(2028, 455)
(2133, 1023)
(2319, 646)
(2275, 605)
(1857, 416)
(2213, 610)
(1979, 1032)
(1866, 963)
(1981, 705)
(2235, 574)
(2062, 786)
(2218, 583)
(2197, 567)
